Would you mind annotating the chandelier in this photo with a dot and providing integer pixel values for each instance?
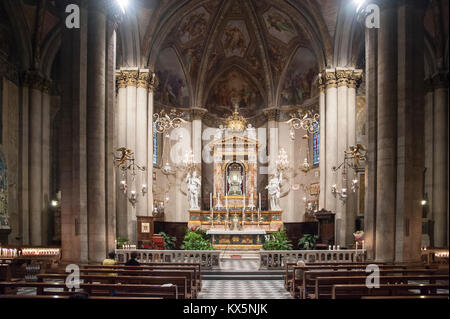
(352, 160)
(126, 163)
(305, 120)
(164, 122)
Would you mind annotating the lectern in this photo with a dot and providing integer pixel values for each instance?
(145, 229)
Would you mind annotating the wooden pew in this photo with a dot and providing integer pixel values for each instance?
(55, 296)
(289, 269)
(323, 285)
(181, 281)
(192, 285)
(123, 290)
(357, 291)
(307, 284)
(195, 266)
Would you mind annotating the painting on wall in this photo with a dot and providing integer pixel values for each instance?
(235, 39)
(299, 78)
(234, 85)
(279, 25)
(173, 90)
(194, 25)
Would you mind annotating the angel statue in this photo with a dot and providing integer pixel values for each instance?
(127, 154)
(193, 186)
(274, 189)
(356, 154)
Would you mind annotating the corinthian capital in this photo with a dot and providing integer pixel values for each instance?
(142, 81)
(153, 82)
(272, 114)
(198, 113)
(330, 78)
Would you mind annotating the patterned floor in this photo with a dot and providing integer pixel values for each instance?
(239, 265)
(243, 289)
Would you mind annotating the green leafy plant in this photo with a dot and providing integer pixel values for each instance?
(120, 241)
(195, 241)
(307, 242)
(278, 241)
(169, 241)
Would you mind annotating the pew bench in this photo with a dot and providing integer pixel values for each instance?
(123, 290)
(324, 285)
(357, 291)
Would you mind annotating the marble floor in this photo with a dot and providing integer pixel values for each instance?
(243, 289)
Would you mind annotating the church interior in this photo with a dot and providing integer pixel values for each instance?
(224, 149)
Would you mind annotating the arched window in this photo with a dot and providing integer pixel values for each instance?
(316, 147)
(3, 193)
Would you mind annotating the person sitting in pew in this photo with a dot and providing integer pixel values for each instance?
(132, 261)
(111, 260)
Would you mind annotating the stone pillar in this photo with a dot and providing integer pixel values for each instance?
(46, 169)
(440, 161)
(410, 125)
(197, 116)
(141, 138)
(72, 157)
(132, 77)
(35, 163)
(387, 133)
(152, 83)
(111, 141)
(429, 157)
(95, 133)
(342, 146)
(24, 165)
(322, 145)
(372, 133)
(331, 140)
(272, 127)
(121, 127)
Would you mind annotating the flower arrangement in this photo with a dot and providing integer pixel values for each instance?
(359, 236)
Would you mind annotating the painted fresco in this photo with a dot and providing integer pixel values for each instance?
(173, 89)
(279, 25)
(299, 78)
(233, 85)
(235, 39)
(194, 26)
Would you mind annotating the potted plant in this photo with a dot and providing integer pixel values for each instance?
(120, 241)
(195, 241)
(278, 241)
(169, 241)
(359, 236)
(307, 242)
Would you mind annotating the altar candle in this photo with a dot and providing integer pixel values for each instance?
(210, 202)
(329, 247)
(338, 247)
(259, 201)
(363, 244)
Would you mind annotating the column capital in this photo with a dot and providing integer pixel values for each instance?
(36, 81)
(142, 79)
(272, 114)
(197, 113)
(355, 78)
(121, 80)
(343, 76)
(330, 78)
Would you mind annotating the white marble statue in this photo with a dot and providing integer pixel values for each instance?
(219, 133)
(274, 189)
(194, 187)
(251, 132)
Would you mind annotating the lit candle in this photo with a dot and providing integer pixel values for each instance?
(337, 247)
(210, 202)
(363, 245)
(329, 247)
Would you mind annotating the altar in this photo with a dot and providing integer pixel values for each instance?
(237, 239)
(234, 218)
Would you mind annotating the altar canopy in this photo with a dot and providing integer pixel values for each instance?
(234, 200)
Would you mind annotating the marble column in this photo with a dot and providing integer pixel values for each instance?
(95, 133)
(152, 84)
(35, 160)
(131, 109)
(342, 146)
(410, 126)
(440, 161)
(331, 140)
(272, 127)
(387, 133)
(197, 116)
(372, 133)
(322, 145)
(121, 127)
(141, 138)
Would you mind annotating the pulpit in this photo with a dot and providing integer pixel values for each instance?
(326, 227)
